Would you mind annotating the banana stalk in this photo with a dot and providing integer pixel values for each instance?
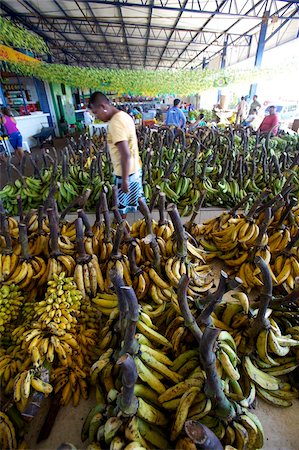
(5, 233)
(105, 211)
(213, 386)
(83, 216)
(55, 252)
(161, 208)
(82, 256)
(263, 227)
(80, 201)
(188, 225)
(179, 231)
(265, 298)
(190, 321)
(126, 400)
(202, 435)
(130, 344)
(123, 307)
(156, 193)
(150, 238)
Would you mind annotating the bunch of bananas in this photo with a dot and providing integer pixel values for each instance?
(23, 383)
(7, 432)
(70, 382)
(53, 318)
(11, 301)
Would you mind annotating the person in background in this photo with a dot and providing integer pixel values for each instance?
(250, 118)
(123, 149)
(270, 122)
(88, 118)
(255, 105)
(14, 135)
(200, 122)
(175, 115)
(241, 110)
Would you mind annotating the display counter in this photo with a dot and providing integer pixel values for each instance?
(96, 127)
(30, 125)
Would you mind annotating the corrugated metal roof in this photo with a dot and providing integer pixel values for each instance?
(154, 34)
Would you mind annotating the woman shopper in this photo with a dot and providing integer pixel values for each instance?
(123, 149)
(14, 135)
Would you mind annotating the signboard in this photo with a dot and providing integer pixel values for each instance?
(11, 55)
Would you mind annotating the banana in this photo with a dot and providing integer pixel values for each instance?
(159, 356)
(261, 378)
(262, 348)
(147, 376)
(227, 365)
(183, 358)
(242, 437)
(271, 399)
(41, 386)
(7, 431)
(182, 411)
(155, 277)
(152, 434)
(153, 335)
(150, 414)
(275, 346)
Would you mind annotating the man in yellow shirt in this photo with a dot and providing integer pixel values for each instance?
(123, 149)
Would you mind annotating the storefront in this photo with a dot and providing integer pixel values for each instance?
(29, 103)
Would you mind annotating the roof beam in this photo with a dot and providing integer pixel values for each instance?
(285, 22)
(232, 43)
(148, 31)
(78, 30)
(168, 5)
(199, 31)
(63, 21)
(124, 33)
(173, 30)
(222, 33)
(101, 32)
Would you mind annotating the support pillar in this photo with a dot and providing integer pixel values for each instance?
(223, 62)
(260, 49)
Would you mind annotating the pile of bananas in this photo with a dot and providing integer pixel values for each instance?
(225, 164)
(11, 301)
(105, 308)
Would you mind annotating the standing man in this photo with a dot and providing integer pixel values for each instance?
(241, 110)
(270, 122)
(254, 105)
(123, 149)
(175, 115)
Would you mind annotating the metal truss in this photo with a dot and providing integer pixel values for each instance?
(229, 8)
(119, 42)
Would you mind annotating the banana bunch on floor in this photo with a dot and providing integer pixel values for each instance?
(286, 269)
(268, 386)
(8, 438)
(28, 273)
(11, 363)
(67, 237)
(54, 319)
(24, 382)
(11, 301)
(8, 264)
(89, 278)
(70, 382)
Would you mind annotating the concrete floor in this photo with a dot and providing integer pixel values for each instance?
(280, 426)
